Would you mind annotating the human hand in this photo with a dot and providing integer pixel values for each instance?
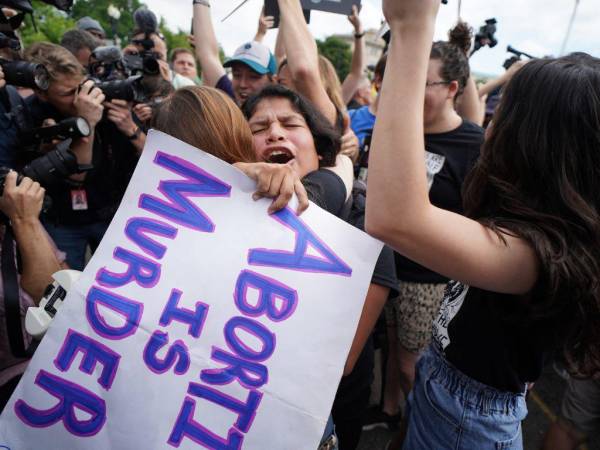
(354, 19)
(413, 12)
(350, 145)
(518, 65)
(119, 113)
(88, 103)
(278, 181)
(2, 80)
(265, 23)
(23, 202)
(165, 70)
(143, 112)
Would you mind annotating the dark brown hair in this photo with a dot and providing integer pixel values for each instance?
(208, 119)
(327, 139)
(537, 179)
(453, 55)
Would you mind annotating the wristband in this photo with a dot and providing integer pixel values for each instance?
(359, 35)
(135, 135)
(201, 2)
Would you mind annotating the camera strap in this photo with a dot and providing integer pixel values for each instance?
(12, 300)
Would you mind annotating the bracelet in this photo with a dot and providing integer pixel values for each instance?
(135, 135)
(359, 35)
(201, 2)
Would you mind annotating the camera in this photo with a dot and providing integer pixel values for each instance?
(50, 169)
(71, 128)
(107, 64)
(145, 62)
(38, 319)
(517, 57)
(131, 89)
(25, 5)
(25, 74)
(486, 35)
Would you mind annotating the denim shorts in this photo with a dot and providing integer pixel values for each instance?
(329, 440)
(449, 410)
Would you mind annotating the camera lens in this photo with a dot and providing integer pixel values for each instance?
(41, 77)
(83, 126)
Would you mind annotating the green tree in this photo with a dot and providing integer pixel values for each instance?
(50, 23)
(98, 9)
(338, 52)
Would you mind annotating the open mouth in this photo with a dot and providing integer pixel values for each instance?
(282, 156)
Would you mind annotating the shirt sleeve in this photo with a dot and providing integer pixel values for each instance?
(225, 85)
(326, 189)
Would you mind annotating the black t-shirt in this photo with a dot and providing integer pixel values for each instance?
(488, 336)
(114, 158)
(327, 190)
(449, 157)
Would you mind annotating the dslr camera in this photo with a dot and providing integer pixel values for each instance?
(486, 35)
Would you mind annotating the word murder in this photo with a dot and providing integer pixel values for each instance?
(240, 362)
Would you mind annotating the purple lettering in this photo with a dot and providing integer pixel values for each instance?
(138, 228)
(71, 397)
(144, 271)
(179, 209)
(195, 319)
(177, 355)
(93, 352)
(129, 310)
(269, 291)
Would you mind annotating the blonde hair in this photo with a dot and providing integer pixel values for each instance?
(331, 82)
(208, 119)
(57, 60)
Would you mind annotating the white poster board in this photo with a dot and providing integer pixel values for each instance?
(200, 321)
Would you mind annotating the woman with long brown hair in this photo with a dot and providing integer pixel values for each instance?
(526, 258)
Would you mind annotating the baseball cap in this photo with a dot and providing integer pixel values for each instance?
(256, 56)
(87, 23)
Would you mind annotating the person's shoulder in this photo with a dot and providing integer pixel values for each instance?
(469, 128)
(326, 189)
(180, 81)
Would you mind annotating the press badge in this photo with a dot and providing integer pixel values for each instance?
(79, 200)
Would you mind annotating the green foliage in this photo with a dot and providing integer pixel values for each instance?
(338, 52)
(97, 9)
(50, 22)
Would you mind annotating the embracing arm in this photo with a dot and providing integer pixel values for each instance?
(357, 69)
(206, 46)
(376, 298)
(445, 242)
(303, 57)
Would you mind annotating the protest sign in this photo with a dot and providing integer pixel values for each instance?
(200, 322)
(332, 6)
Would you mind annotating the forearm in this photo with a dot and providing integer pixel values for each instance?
(37, 255)
(84, 151)
(352, 81)
(280, 54)
(491, 85)
(469, 106)
(303, 57)
(206, 45)
(397, 163)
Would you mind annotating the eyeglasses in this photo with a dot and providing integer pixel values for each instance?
(436, 83)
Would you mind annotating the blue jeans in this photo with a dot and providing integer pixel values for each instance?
(449, 410)
(329, 436)
(73, 240)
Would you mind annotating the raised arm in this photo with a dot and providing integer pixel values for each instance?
(303, 57)
(357, 66)
(264, 23)
(445, 242)
(495, 83)
(469, 105)
(206, 45)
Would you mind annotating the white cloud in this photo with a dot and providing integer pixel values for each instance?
(534, 26)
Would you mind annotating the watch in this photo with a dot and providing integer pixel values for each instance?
(359, 35)
(201, 2)
(135, 135)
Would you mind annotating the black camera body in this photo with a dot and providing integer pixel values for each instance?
(50, 169)
(131, 89)
(71, 128)
(486, 35)
(517, 55)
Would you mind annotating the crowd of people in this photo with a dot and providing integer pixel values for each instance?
(490, 269)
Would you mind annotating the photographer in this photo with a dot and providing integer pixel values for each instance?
(74, 224)
(38, 260)
(81, 44)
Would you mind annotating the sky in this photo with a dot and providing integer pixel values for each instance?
(537, 27)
